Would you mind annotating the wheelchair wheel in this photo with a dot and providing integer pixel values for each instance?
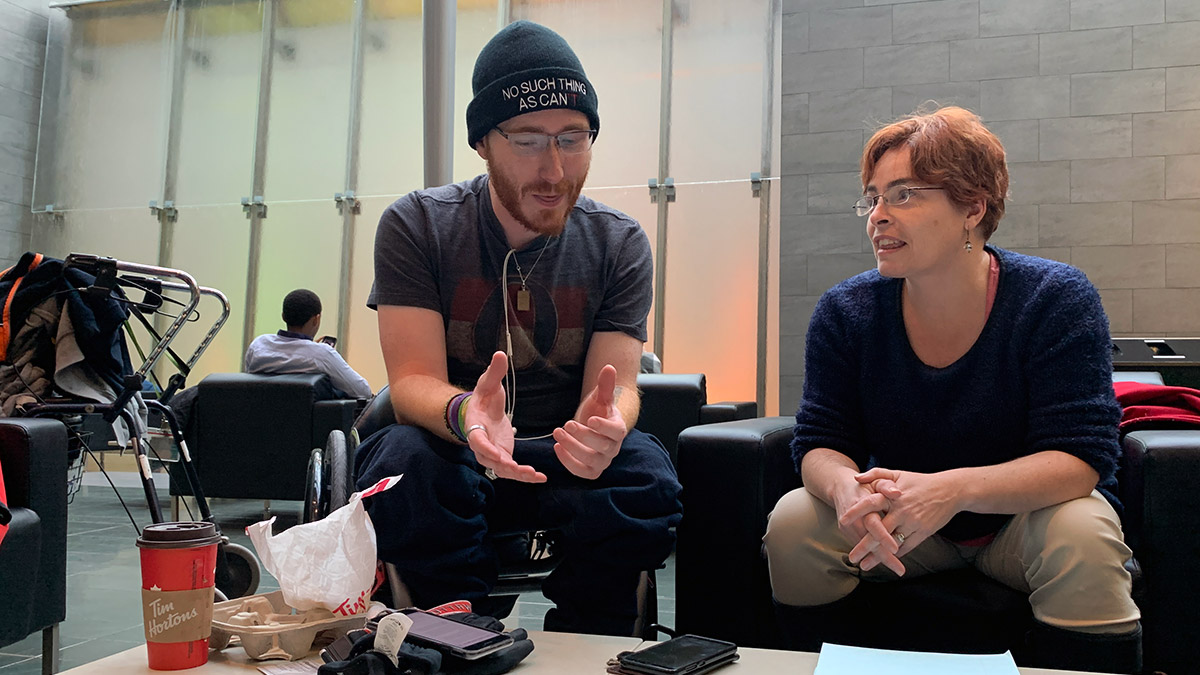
(243, 573)
(338, 468)
(314, 484)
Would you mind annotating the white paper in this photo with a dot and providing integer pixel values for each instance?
(306, 666)
(842, 660)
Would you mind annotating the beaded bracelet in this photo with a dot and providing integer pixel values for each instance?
(453, 416)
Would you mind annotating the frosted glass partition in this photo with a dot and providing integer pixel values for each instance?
(301, 248)
(717, 90)
(104, 71)
(212, 244)
(310, 102)
(390, 148)
(619, 43)
(712, 287)
(220, 102)
(476, 22)
(362, 344)
(126, 234)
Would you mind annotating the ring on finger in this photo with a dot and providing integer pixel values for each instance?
(900, 538)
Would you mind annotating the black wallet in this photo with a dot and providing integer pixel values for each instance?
(690, 654)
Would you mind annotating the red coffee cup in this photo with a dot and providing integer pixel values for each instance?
(179, 562)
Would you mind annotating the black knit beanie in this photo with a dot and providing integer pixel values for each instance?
(526, 67)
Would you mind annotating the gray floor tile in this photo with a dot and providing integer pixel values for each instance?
(9, 665)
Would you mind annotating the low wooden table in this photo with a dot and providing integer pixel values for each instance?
(554, 654)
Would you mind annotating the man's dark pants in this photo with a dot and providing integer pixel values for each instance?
(432, 524)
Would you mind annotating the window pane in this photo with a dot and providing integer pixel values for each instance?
(103, 106)
(619, 43)
(712, 288)
(220, 102)
(310, 101)
(717, 90)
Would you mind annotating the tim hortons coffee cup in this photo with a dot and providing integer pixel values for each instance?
(179, 562)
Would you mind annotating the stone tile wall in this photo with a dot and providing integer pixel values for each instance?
(1096, 101)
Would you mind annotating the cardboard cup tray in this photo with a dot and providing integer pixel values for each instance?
(269, 629)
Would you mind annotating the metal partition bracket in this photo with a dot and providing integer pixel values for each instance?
(756, 181)
(48, 211)
(167, 209)
(254, 207)
(346, 200)
(667, 188)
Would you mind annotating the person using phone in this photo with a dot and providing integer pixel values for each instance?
(293, 350)
(512, 314)
(958, 412)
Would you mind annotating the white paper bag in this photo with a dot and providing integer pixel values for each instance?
(330, 563)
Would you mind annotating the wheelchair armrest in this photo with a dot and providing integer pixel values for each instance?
(732, 474)
(728, 411)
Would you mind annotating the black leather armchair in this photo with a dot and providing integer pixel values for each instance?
(734, 473)
(250, 436)
(672, 403)
(33, 555)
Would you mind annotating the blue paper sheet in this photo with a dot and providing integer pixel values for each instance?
(841, 660)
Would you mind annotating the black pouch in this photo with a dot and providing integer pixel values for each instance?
(362, 659)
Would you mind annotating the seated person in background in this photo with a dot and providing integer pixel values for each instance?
(294, 350)
(512, 314)
(958, 411)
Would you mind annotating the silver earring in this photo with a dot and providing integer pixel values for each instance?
(967, 244)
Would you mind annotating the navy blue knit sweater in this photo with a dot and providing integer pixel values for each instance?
(1038, 378)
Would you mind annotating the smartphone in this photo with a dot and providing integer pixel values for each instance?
(329, 340)
(461, 640)
(684, 654)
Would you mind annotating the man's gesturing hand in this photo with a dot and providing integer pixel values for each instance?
(489, 431)
(587, 444)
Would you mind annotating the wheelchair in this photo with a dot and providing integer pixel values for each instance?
(329, 484)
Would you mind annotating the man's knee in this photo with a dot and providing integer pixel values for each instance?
(438, 476)
(401, 448)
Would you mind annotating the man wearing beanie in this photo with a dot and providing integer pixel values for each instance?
(512, 314)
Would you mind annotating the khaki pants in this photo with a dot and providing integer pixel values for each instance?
(1068, 557)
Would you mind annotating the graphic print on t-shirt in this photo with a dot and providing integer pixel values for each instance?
(547, 340)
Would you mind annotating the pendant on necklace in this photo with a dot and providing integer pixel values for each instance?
(522, 300)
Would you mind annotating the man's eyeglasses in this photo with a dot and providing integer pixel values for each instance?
(530, 143)
(893, 196)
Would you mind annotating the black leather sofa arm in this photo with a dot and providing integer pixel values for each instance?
(34, 455)
(1161, 527)
(33, 558)
(728, 411)
(732, 474)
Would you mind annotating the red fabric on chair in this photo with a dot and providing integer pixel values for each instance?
(1150, 405)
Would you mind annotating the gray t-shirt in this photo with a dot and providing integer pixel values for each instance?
(443, 249)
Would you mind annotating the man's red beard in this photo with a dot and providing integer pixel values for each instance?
(550, 222)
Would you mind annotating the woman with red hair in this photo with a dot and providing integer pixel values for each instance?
(958, 411)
